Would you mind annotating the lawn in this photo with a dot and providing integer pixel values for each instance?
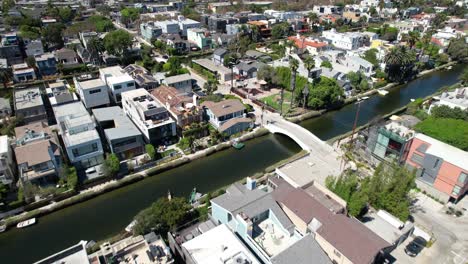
(274, 101)
(448, 130)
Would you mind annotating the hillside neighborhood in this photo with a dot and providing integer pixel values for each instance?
(364, 103)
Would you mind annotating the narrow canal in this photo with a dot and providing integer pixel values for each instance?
(339, 122)
(107, 214)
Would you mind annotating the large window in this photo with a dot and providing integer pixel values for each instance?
(77, 152)
(456, 190)
(462, 178)
(95, 91)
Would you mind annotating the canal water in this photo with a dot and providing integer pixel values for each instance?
(338, 122)
(108, 214)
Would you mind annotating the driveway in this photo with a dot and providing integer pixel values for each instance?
(450, 232)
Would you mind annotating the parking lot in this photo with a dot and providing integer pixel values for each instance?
(450, 232)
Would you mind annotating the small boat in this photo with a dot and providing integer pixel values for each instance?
(360, 99)
(2, 227)
(365, 98)
(237, 145)
(449, 67)
(26, 223)
(382, 92)
(412, 100)
(130, 227)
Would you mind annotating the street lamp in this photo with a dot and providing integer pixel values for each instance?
(231, 66)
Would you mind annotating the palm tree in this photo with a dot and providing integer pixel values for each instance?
(95, 47)
(399, 62)
(294, 65)
(309, 64)
(413, 37)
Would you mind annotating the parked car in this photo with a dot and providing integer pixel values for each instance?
(415, 246)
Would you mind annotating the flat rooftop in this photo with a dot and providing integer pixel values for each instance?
(72, 255)
(27, 98)
(305, 170)
(270, 237)
(92, 84)
(211, 66)
(219, 245)
(123, 126)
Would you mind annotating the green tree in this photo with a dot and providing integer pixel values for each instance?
(3, 192)
(29, 32)
(210, 86)
(72, 178)
(371, 56)
(129, 15)
(293, 65)
(96, 47)
(458, 49)
(464, 77)
(438, 20)
(66, 14)
(162, 216)
(101, 23)
(326, 64)
(309, 64)
(150, 151)
(118, 42)
(52, 34)
(7, 5)
(111, 165)
(399, 63)
(444, 111)
(280, 30)
(325, 93)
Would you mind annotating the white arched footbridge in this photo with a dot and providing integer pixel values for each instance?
(321, 161)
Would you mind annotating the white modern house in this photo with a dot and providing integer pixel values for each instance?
(168, 26)
(186, 23)
(78, 131)
(346, 40)
(151, 117)
(117, 80)
(7, 176)
(93, 92)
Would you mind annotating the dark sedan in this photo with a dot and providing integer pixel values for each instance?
(415, 246)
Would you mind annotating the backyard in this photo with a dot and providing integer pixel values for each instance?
(274, 101)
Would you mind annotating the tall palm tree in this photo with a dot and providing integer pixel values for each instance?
(399, 62)
(309, 64)
(96, 47)
(294, 65)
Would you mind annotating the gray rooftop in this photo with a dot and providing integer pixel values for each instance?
(123, 126)
(91, 84)
(27, 98)
(302, 252)
(72, 110)
(238, 199)
(178, 78)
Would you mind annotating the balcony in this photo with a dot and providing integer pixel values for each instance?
(32, 174)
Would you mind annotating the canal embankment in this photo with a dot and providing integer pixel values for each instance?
(316, 113)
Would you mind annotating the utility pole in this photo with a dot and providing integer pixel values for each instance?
(355, 124)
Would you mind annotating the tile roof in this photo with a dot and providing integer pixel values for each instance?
(303, 42)
(234, 121)
(224, 107)
(35, 153)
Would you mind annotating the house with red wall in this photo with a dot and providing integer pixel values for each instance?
(441, 169)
